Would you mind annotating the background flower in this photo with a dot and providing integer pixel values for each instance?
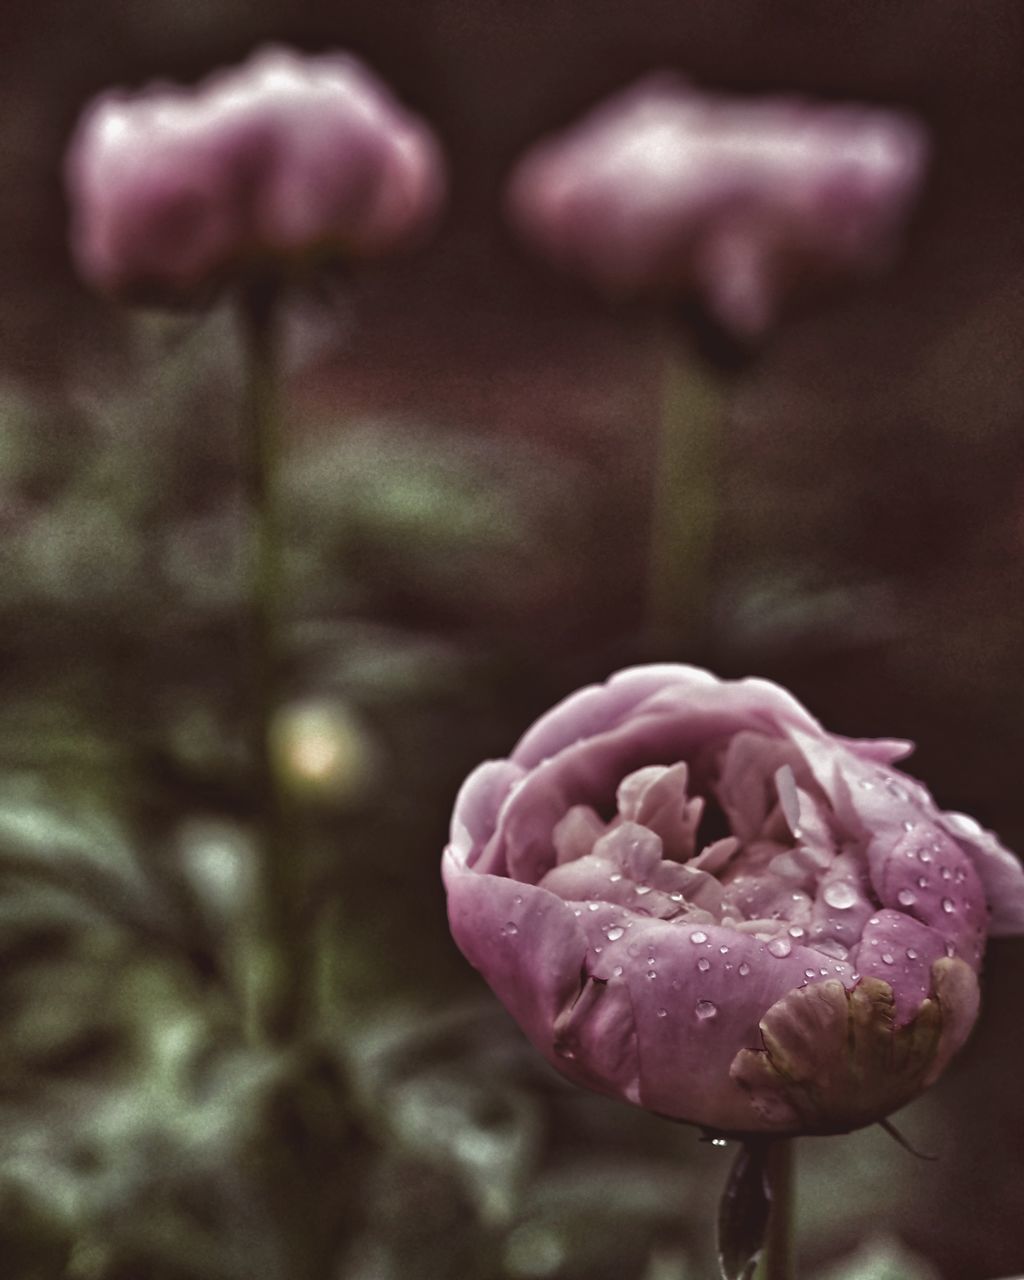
(811, 970)
(666, 189)
(276, 160)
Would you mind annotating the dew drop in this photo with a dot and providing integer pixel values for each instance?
(617, 971)
(823, 972)
(510, 929)
(615, 877)
(698, 937)
(593, 906)
(809, 973)
(662, 1013)
(906, 897)
(922, 882)
(705, 1009)
(724, 951)
(834, 949)
(911, 953)
(703, 965)
(908, 825)
(598, 950)
(946, 873)
(719, 1142)
(950, 950)
(518, 899)
(577, 911)
(676, 897)
(614, 933)
(948, 906)
(795, 931)
(924, 855)
(886, 957)
(642, 889)
(780, 947)
(840, 895)
(652, 974)
(866, 784)
(744, 969)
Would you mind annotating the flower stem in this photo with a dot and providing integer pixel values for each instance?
(282, 1013)
(685, 500)
(777, 1260)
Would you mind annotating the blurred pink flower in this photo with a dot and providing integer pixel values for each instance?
(284, 157)
(745, 202)
(809, 972)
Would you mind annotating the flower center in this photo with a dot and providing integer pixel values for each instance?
(781, 874)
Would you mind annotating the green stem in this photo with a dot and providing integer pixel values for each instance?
(282, 1014)
(684, 501)
(777, 1261)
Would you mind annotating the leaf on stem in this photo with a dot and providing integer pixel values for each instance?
(743, 1214)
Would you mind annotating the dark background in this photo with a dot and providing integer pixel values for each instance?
(470, 447)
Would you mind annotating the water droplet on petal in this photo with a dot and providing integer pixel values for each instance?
(840, 895)
(510, 929)
(642, 889)
(908, 825)
(676, 897)
(906, 897)
(651, 973)
(911, 953)
(593, 906)
(780, 947)
(743, 969)
(698, 937)
(617, 971)
(886, 957)
(834, 949)
(922, 882)
(946, 873)
(662, 1013)
(703, 965)
(723, 951)
(809, 973)
(614, 933)
(615, 877)
(948, 906)
(950, 950)
(795, 931)
(518, 899)
(705, 1009)
(924, 855)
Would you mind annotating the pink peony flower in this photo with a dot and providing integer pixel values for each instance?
(810, 971)
(744, 202)
(284, 157)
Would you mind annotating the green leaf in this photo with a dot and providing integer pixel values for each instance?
(743, 1214)
(883, 1258)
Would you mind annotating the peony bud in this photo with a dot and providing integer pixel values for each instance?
(810, 972)
(664, 189)
(278, 160)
